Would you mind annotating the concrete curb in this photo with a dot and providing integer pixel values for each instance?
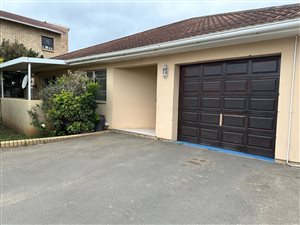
(141, 135)
(34, 141)
(133, 134)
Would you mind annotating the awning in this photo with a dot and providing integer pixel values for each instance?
(37, 64)
(29, 65)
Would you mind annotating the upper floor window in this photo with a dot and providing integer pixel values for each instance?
(99, 76)
(47, 43)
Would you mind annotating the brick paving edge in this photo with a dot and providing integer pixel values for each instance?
(34, 141)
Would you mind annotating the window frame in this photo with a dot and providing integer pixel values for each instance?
(94, 79)
(45, 49)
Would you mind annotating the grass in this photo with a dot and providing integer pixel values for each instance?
(7, 134)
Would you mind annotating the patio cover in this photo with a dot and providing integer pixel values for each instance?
(37, 64)
(29, 64)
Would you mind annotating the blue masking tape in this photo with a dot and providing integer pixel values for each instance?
(227, 151)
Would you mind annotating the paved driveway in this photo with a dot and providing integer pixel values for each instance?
(118, 178)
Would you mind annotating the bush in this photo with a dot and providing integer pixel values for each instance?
(69, 104)
(76, 83)
(72, 114)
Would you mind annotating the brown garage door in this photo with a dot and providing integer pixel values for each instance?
(230, 104)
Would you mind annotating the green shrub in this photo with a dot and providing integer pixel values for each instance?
(70, 114)
(76, 83)
(69, 104)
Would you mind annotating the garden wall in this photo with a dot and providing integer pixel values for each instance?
(15, 114)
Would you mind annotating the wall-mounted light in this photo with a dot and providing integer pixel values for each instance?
(165, 71)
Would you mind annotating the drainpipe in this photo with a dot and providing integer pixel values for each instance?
(29, 81)
(291, 105)
(2, 84)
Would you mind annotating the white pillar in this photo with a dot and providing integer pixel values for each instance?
(29, 81)
(2, 84)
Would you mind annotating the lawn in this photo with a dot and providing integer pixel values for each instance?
(7, 134)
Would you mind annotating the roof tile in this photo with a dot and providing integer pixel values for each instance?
(32, 22)
(190, 28)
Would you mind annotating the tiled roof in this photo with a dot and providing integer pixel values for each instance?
(32, 22)
(190, 28)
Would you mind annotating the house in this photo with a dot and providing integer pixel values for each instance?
(47, 39)
(229, 80)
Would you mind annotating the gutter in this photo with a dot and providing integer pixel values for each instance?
(290, 27)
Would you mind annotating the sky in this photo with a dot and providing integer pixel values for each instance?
(96, 21)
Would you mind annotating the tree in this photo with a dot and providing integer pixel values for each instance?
(9, 51)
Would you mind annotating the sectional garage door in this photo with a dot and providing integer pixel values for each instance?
(230, 104)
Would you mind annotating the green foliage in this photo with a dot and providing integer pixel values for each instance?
(69, 104)
(35, 120)
(93, 88)
(76, 83)
(9, 51)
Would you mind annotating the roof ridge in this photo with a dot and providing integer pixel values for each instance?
(249, 10)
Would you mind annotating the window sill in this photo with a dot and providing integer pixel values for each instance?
(47, 50)
(100, 102)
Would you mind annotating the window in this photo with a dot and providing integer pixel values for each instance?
(47, 43)
(99, 76)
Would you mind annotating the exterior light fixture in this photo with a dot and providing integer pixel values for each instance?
(165, 71)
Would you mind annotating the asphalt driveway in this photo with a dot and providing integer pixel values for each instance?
(118, 178)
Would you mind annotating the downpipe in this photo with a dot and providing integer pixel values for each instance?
(291, 105)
